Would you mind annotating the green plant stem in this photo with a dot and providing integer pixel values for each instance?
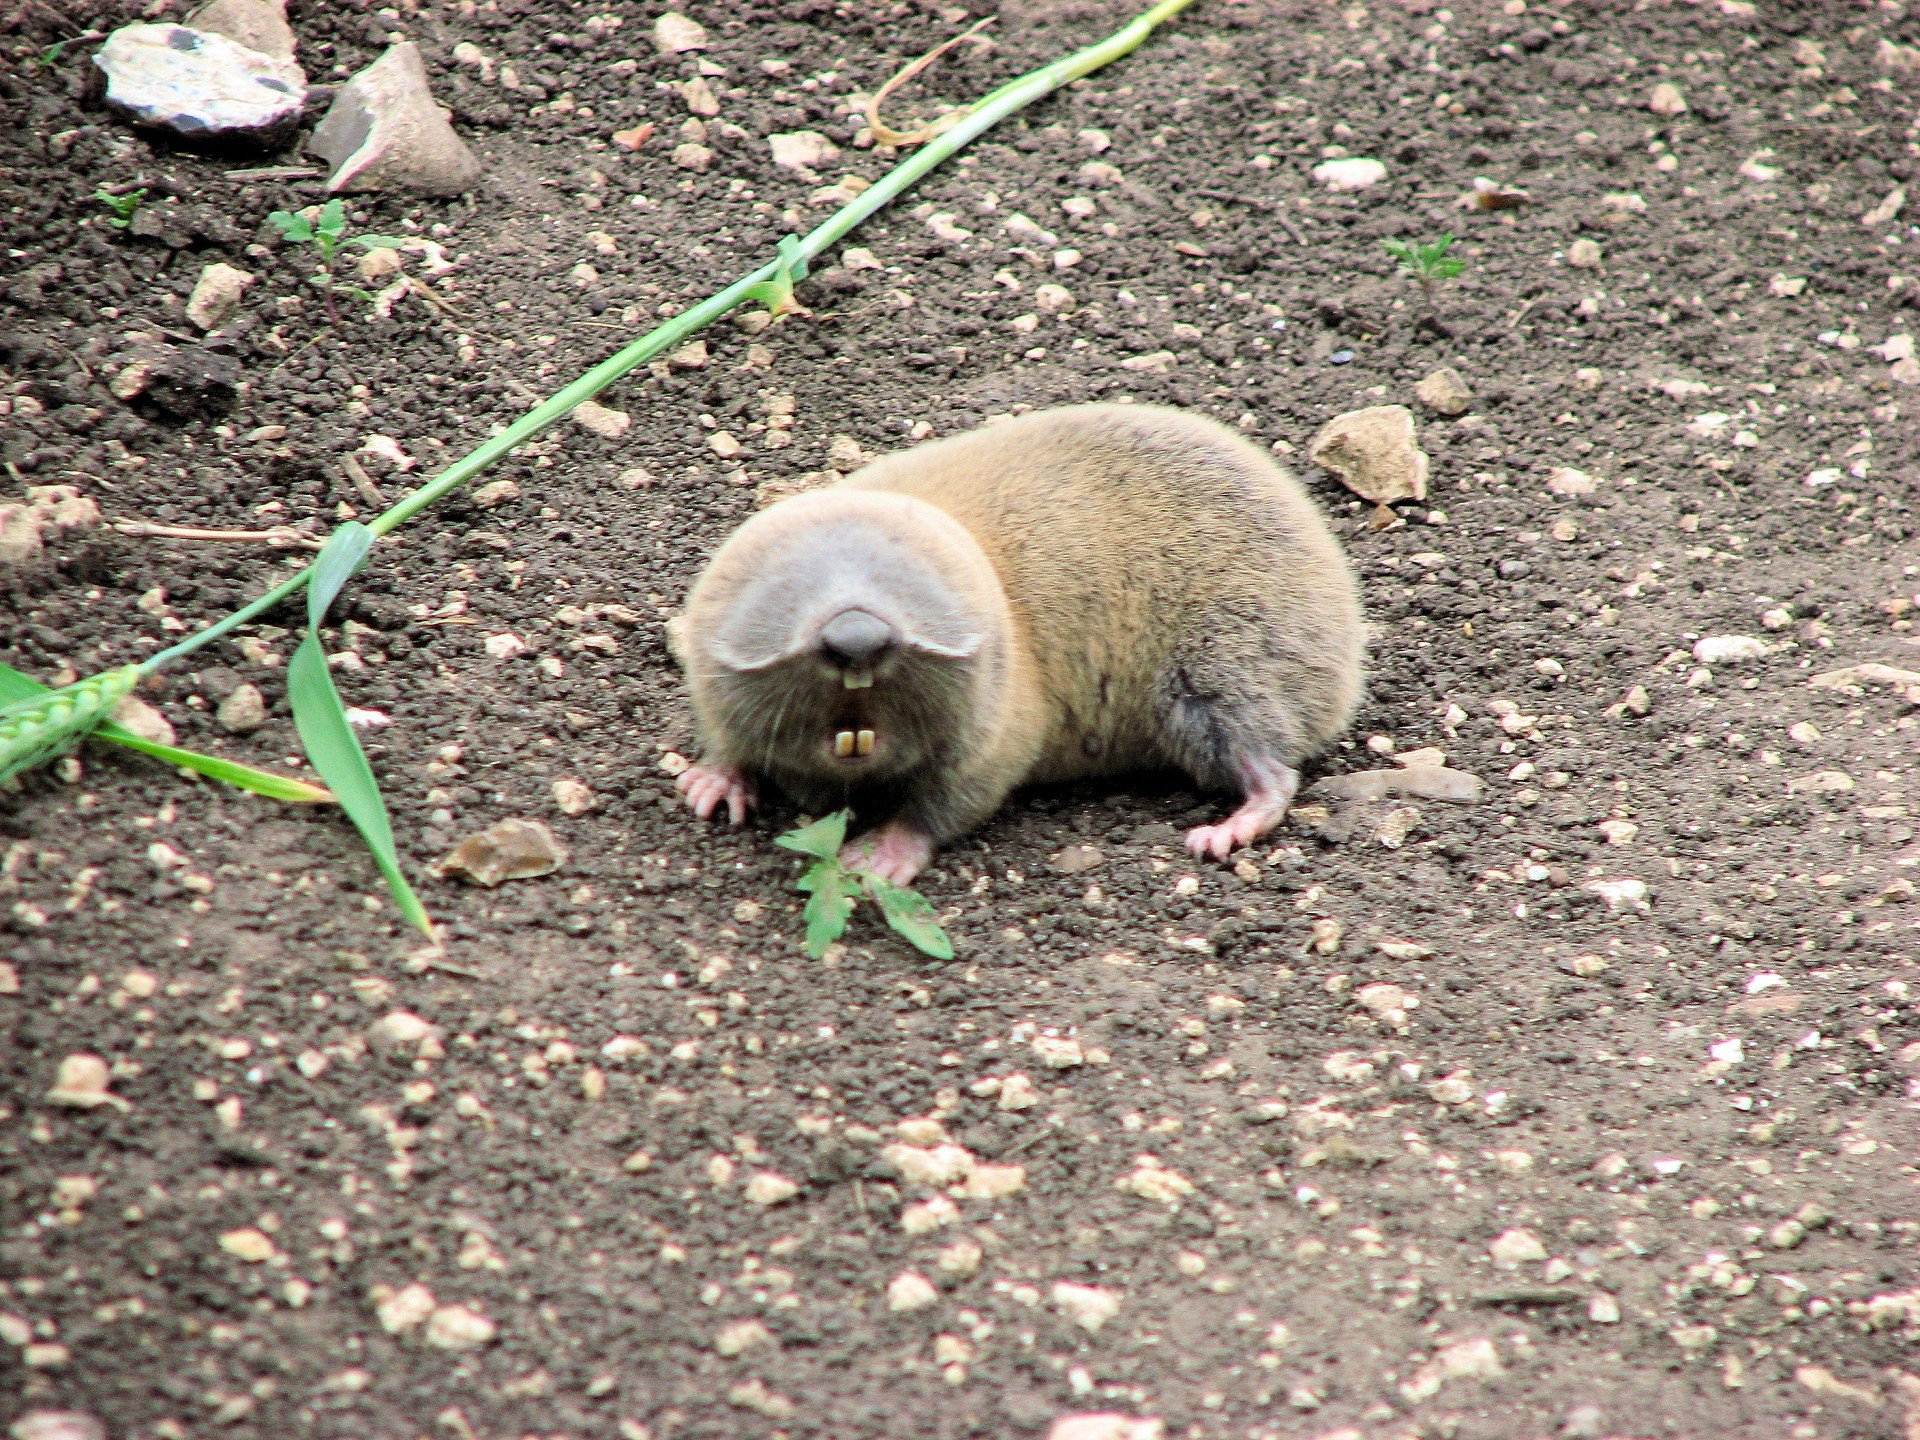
(988, 112)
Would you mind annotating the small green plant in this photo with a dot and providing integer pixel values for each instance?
(121, 206)
(1429, 263)
(831, 889)
(326, 231)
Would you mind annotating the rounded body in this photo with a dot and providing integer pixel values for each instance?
(1072, 592)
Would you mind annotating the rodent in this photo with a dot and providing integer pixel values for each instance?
(1072, 592)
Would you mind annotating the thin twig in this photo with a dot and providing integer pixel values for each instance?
(356, 474)
(278, 535)
(274, 172)
(885, 134)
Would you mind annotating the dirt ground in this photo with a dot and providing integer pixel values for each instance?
(1588, 1109)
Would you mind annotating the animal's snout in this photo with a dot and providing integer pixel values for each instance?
(855, 641)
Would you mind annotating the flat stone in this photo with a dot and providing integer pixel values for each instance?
(201, 87)
(384, 132)
(243, 711)
(257, 24)
(1372, 452)
(509, 850)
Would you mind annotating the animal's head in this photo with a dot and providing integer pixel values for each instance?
(842, 635)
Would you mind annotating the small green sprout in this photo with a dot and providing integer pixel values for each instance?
(121, 206)
(831, 890)
(1428, 263)
(326, 231)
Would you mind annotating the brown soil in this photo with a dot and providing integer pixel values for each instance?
(1330, 1267)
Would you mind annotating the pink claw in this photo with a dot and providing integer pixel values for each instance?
(1269, 792)
(706, 786)
(893, 852)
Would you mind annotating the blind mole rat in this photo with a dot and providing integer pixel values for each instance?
(1074, 592)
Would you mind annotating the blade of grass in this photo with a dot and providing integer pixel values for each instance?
(15, 687)
(39, 727)
(322, 720)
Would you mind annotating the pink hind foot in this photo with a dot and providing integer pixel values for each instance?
(894, 852)
(706, 786)
(1270, 790)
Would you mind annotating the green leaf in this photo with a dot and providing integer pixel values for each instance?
(377, 242)
(829, 906)
(333, 220)
(15, 687)
(296, 228)
(776, 293)
(322, 720)
(909, 912)
(823, 838)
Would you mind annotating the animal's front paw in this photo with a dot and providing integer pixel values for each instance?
(893, 852)
(705, 786)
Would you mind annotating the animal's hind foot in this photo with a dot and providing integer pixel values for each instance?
(1270, 788)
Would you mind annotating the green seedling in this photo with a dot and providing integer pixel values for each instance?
(831, 890)
(121, 206)
(38, 724)
(326, 231)
(1429, 263)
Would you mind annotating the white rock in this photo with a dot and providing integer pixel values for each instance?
(909, 1292)
(1728, 1052)
(247, 1245)
(1515, 1248)
(1373, 453)
(201, 86)
(1584, 254)
(1087, 1306)
(802, 149)
(934, 1166)
(403, 1309)
(1626, 893)
(1353, 173)
(572, 796)
(1603, 1309)
(1666, 99)
(399, 1030)
(1727, 649)
(993, 1182)
(456, 1327)
(740, 1337)
(1107, 1425)
(675, 34)
(216, 293)
(1574, 484)
(768, 1189)
(384, 132)
(1017, 1093)
(1058, 1052)
(1151, 1180)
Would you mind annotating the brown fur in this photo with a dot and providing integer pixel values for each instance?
(1078, 592)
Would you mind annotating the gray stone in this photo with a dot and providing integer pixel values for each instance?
(1372, 452)
(384, 132)
(257, 24)
(201, 87)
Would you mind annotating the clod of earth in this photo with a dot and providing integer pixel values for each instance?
(506, 850)
(1373, 453)
(384, 132)
(200, 87)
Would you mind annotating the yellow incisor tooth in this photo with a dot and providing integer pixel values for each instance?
(863, 742)
(843, 744)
